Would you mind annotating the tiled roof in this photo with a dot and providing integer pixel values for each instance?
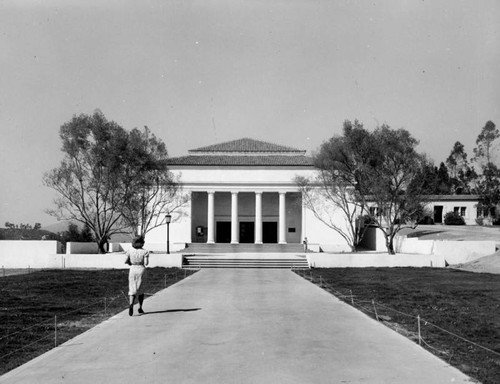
(247, 145)
(453, 197)
(235, 160)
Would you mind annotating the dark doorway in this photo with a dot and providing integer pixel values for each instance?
(270, 232)
(223, 232)
(438, 214)
(247, 232)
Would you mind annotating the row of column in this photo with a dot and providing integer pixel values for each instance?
(235, 230)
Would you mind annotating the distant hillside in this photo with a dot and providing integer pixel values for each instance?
(63, 225)
(26, 234)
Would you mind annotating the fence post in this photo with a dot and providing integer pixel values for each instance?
(419, 335)
(352, 297)
(55, 331)
(375, 309)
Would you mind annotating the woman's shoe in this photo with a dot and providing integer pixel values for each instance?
(140, 311)
(131, 310)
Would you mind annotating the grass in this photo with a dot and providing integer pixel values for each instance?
(449, 302)
(33, 306)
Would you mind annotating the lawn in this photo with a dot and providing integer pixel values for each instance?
(46, 308)
(453, 306)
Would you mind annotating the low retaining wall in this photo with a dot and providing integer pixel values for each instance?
(73, 247)
(117, 261)
(30, 254)
(411, 253)
(360, 260)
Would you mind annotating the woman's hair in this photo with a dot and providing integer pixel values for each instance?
(138, 242)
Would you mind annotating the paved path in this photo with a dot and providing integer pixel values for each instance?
(239, 326)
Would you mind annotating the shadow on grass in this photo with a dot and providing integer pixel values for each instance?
(171, 311)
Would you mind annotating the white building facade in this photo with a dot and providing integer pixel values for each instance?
(243, 191)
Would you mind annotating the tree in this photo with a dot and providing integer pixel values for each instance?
(102, 171)
(363, 169)
(335, 189)
(461, 173)
(484, 143)
(488, 180)
(153, 190)
(436, 181)
(75, 234)
(395, 180)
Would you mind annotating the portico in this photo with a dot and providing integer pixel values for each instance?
(241, 216)
(243, 192)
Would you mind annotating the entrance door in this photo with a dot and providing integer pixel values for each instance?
(247, 232)
(223, 232)
(270, 232)
(438, 214)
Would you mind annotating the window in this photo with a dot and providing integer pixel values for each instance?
(462, 211)
(459, 211)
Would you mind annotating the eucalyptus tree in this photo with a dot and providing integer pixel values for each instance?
(153, 191)
(104, 172)
(359, 170)
(333, 194)
(396, 181)
(459, 169)
(488, 178)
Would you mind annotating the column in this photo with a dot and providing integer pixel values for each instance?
(234, 218)
(282, 219)
(211, 218)
(258, 217)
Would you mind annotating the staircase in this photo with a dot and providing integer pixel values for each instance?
(242, 248)
(202, 255)
(247, 260)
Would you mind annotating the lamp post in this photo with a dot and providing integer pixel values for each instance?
(168, 218)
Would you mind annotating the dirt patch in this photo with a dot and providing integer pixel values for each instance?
(486, 264)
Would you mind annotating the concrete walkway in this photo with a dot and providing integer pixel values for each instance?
(239, 326)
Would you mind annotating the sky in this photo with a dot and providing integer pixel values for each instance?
(202, 72)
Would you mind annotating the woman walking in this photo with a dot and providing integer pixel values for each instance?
(138, 259)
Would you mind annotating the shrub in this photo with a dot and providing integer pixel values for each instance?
(426, 220)
(453, 218)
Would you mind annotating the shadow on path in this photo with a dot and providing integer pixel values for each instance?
(172, 310)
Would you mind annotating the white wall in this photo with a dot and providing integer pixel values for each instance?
(73, 247)
(117, 261)
(319, 234)
(360, 260)
(179, 232)
(241, 176)
(32, 253)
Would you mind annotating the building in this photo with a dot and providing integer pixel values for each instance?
(463, 205)
(243, 191)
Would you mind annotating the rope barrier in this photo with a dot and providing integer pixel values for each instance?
(55, 322)
(329, 288)
(27, 345)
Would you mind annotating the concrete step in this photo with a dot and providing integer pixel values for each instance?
(227, 261)
(243, 248)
